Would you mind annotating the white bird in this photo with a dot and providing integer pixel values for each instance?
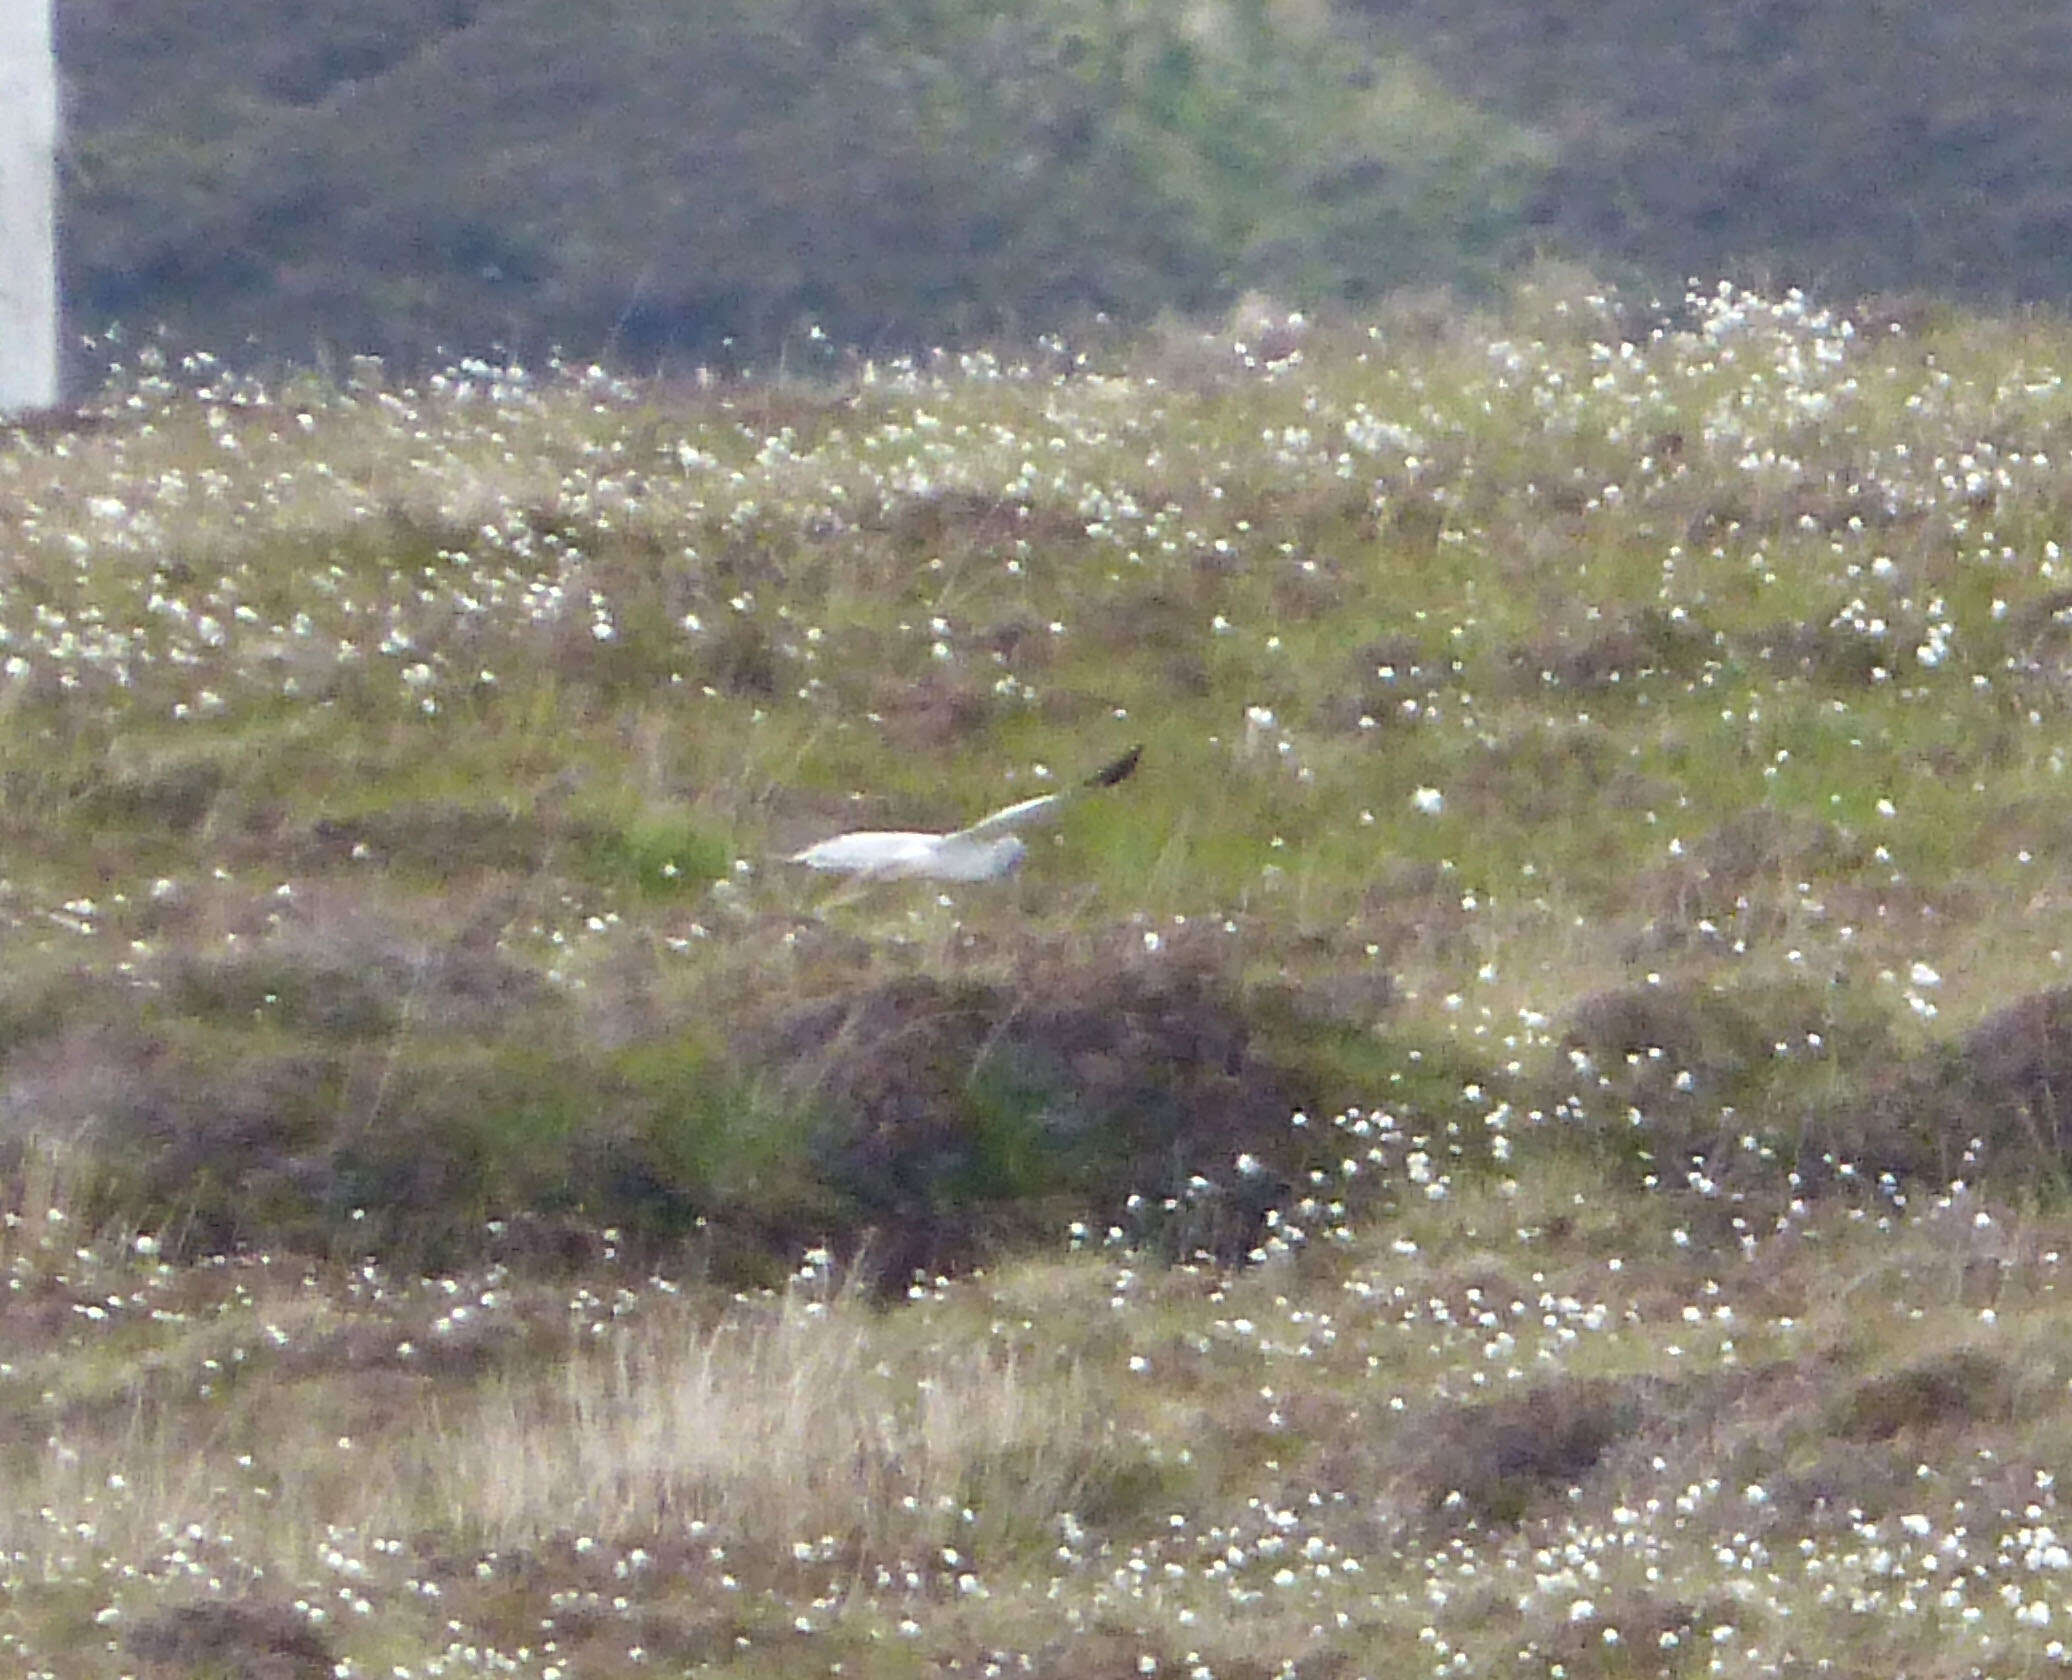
(986, 850)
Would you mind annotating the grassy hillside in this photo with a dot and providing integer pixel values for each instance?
(1899, 145)
(656, 183)
(1530, 1133)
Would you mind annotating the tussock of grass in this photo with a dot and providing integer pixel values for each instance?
(781, 1425)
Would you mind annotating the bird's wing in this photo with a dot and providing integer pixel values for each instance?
(1046, 807)
(1042, 809)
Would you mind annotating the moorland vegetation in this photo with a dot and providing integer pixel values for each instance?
(1531, 1131)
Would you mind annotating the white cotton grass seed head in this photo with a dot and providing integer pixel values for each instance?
(1428, 801)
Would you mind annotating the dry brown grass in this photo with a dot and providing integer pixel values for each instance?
(781, 1425)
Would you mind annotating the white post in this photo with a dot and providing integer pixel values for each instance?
(28, 211)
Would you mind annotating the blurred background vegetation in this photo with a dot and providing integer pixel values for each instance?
(660, 183)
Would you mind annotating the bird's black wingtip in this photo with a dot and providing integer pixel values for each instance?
(1121, 770)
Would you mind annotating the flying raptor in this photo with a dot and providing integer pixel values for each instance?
(988, 849)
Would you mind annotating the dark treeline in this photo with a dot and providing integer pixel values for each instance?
(660, 180)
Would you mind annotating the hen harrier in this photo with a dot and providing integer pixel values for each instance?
(986, 850)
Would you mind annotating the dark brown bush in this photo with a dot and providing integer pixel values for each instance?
(173, 792)
(1493, 1462)
(1666, 1028)
(219, 1144)
(338, 968)
(1641, 1619)
(1825, 653)
(1378, 678)
(435, 837)
(931, 713)
(1996, 1104)
(1677, 1071)
(1613, 656)
(1741, 876)
(1541, 775)
(1844, 1475)
(1758, 845)
(954, 1111)
(1942, 1392)
(242, 1639)
(2019, 1061)
(1679, 1054)
(313, 1057)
